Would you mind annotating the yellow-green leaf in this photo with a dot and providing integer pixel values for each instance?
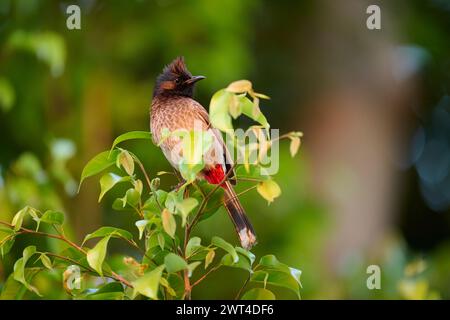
(46, 261)
(219, 242)
(209, 258)
(148, 284)
(193, 244)
(108, 181)
(235, 107)
(52, 217)
(126, 161)
(218, 110)
(174, 263)
(169, 223)
(19, 268)
(99, 163)
(141, 224)
(269, 190)
(294, 146)
(185, 207)
(239, 86)
(96, 255)
(261, 95)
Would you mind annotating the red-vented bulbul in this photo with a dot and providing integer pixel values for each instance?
(174, 108)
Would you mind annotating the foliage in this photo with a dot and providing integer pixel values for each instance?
(171, 261)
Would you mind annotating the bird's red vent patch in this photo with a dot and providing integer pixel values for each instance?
(215, 175)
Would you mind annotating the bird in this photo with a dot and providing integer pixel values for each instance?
(174, 108)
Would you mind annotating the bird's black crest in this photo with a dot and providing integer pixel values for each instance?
(174, 71)
(177, 67)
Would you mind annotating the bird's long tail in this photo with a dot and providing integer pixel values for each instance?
(237, 214)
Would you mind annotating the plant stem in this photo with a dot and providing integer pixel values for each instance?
(206, 274)
(242, 288)
(23, 230)
(141, 166)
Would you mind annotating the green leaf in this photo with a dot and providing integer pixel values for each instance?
(6, 240)
(132, 135)
(161, 241)
(258, 294)
(19, 268)
(242, 263)
(248, 110)
(185, 207)
(250, 256)
(13, 290)
(177, 283)
(277, 278)
(219, 242)
(126, 161)
(172, 199)
(169, 223)
(109, 232)
(214, 202)
(52, 217)
(96, 255)
(235, 107)
(141, 224)
(189, 172)
(131, 197)
(6, 245)
(148, 284)
(163, 281)
(46, 261)
(193, 244)
(270, 262)
(99, 163)
(174, 263)
(17, 220)
(151, 204)
(108, 181)
(269, 190)
(218, 110)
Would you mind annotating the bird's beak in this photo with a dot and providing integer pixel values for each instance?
(194, 79)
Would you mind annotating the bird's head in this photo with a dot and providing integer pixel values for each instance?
(176, 80)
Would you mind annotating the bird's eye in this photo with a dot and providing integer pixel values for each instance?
(177, 80)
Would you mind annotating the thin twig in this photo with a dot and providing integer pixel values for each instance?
(206, 274)
(242, 288)
(23, 230)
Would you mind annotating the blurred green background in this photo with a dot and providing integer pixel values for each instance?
(371, 184)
